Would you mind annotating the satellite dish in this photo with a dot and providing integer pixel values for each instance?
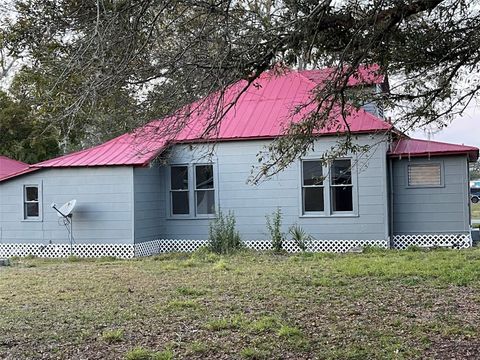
(67, 208)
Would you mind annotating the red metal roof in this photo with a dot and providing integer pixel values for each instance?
(265, 110)
(364, 76)
(416, 148)
(10, 167)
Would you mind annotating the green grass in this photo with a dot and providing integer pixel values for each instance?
(475, 210)
(377, 305)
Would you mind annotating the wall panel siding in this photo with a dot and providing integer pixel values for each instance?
(251, 203)
(149, 200)
(103, 214)
(441, 209)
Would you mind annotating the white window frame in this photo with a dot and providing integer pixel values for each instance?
(425, 163)
(171, 191)
(25, 217)
(328, 208)
(195, 190)
(303, 186)
(191, 191)
(332, 186)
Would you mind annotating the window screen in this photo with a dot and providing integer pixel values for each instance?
(204, 190)
(312, 186)
(341, 187)
(424, 175)
(179, 190)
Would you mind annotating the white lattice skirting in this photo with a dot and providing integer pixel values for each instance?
(127, 251)
(169, 245)
(456, 241)
(121, 251)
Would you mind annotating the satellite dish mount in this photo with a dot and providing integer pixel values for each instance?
(66, 212)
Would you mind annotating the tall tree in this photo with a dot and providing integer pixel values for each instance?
(22, 136)
(112, 64)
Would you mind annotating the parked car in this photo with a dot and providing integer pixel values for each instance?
(475, 195)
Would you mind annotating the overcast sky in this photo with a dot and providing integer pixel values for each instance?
(464, 129)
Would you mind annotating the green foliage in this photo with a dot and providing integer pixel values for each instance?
(223, 236)
(182, 304)
(301, 238)
(140, 353)
(274, 227)
(289, 331)
(475, 171)
(254, 353)
(113, 336)
(23, 136)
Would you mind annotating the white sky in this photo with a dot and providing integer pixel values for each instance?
(464, 129)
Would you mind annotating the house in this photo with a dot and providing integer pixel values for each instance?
(150, 191)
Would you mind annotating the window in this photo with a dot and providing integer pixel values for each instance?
(424, 175)
(31, 203)
(179, 190)
(312, 186)
(341, 185)
(192, 184)
(328, 190)
(204, 190)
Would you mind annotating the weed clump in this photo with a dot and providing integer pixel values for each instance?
(113, 336)
(274, 226)
(223, 237)
(140, 353)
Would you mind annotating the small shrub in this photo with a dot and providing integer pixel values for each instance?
(223, 237)
(113, 336)
(300, 237)
(274, 226)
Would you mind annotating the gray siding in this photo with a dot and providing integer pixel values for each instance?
(149, 194)
(431, 209)
(103, 214)
(233, 163)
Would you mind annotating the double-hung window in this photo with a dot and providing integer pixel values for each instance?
(179, 190)
(192, 184)
(312, 186)
(330, 194)
(341, 186)
(31, 202)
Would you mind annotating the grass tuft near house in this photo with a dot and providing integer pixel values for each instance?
(382, 304)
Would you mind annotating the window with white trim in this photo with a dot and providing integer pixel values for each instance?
(179, 190)
(341, 186)
(31, 202)
(331, 194)
(192, 190)
(424, 175)
(204, 190)
(312, 186)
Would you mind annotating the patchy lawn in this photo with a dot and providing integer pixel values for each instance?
(475, 211)
(381, 304)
